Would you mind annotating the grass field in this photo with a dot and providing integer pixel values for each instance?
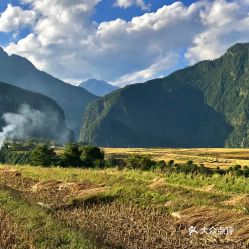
(210, 157)
(111, 208)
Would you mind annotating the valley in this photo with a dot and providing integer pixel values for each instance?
(124, 124)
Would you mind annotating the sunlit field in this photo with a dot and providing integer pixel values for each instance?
(122, 208)
(210, 157)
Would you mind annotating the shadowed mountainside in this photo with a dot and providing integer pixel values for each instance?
(199, 106)
(20, 72)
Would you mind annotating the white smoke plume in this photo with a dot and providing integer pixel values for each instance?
(25, 122)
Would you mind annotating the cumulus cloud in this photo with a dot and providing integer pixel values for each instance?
(128, 3)
(14, 18)
(156, 69)
(225, 23)
(66, 43)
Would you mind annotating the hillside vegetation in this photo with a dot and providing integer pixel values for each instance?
(205, 105)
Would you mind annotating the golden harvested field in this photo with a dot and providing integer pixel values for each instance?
(119, 209)
(210, 157)
(122, 208)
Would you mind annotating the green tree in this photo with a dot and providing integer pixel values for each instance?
(71, 155)
(42, 155)
(91, 155)
(140, 162)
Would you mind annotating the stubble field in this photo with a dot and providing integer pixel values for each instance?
(113, 208)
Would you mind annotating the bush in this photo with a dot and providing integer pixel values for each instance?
(42, 155)
(203, 170)
(99, 164)
(90, 155)
(189, 168)
(139, 162)
(246, 172)
(236, 167)
(161, 165)
(71, 156)
(113, 162)
(171, 163)
(189, 162)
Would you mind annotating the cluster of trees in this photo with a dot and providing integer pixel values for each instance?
(44, 155)
(86, 156)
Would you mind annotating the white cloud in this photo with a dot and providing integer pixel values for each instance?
(156, 69)
(14, 18)
(66, 43)
(226, 23)
(128, 3)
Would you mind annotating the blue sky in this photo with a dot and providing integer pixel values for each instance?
(106, 10)
(120, 41)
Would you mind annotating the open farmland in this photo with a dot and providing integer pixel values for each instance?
(210, 157)
(112, 208)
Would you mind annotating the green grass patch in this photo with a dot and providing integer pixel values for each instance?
(42, 229)
(133, 187)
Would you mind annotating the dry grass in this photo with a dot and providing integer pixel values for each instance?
(7, 232)
(134, 209)
(211, 217)
(210, 157)
(129, 226)
(133, 227)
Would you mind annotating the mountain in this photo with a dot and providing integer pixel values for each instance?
(205, 105)
(98, 87)
(25, 114)
(20, 72)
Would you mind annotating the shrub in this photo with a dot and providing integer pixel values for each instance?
(90, 155)
(113, 162)
(161, 165)
(42, 155)
(171, 163)
(189, 168)
(71, 155)
(139, 162)
(203, 170)
(236, 167)
(239, 172)
(99, 164)
(246, 172)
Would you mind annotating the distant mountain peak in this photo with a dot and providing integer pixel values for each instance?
(98, 87)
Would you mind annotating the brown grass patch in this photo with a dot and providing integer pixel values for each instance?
(157, 183)
(125, 227)
(237, 201)
(7, 232)
(208, 188)
(211, 217)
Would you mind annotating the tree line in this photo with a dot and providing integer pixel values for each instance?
(87, 156)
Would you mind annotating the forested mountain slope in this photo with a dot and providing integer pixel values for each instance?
(200, 106)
